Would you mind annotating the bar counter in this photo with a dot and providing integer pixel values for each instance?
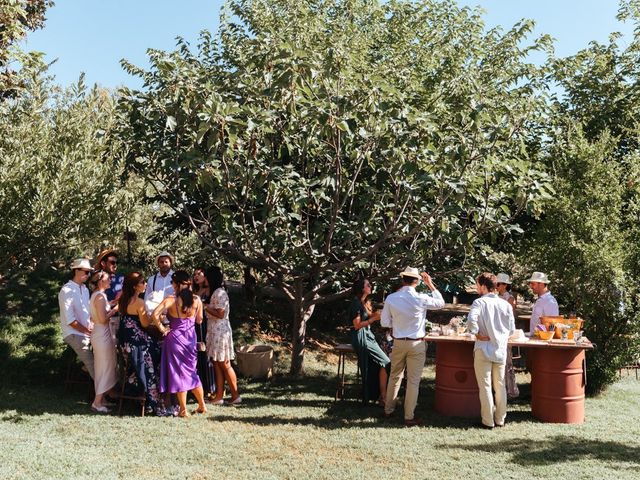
(558, 378)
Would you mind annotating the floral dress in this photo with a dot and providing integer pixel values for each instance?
(144, 360)
(219, 337)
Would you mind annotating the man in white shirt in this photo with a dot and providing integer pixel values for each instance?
(159, 285)
(75, 319)
(405, 313)
(546, 305)
(491, 319)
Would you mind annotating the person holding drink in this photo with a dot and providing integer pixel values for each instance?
(373, 362)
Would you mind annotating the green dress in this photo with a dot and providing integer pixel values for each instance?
(371, 358)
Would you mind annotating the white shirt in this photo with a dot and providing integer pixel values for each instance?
(405, 311)
(545, 306)
(158, 288)
(492, 317)
(73, 300)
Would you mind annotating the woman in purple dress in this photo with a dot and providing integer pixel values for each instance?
(178, 372)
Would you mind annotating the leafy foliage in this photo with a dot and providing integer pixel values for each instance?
(17, 17)
(588, 236)
(311, 140)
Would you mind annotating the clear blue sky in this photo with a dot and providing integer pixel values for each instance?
(92, 36)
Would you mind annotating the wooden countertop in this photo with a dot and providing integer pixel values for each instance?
(554, 343)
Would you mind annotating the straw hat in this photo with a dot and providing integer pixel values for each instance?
(81, 264)
(503, 278)
(102, 255)
(539, 277)
(165, 254)
(410, 272)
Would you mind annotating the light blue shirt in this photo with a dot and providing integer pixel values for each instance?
(545, 306)
(492, 317)
(405, 311)
(73, 300)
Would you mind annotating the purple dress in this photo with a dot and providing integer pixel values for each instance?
(179, 357)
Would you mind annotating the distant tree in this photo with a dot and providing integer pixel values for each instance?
(588, 237)
(312, 140)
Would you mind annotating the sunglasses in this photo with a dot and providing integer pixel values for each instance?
(112, 262)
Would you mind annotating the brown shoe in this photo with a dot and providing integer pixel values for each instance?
(414, 422)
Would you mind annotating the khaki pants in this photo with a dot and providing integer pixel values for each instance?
(488, 373)
(81, 346)
(409, 354)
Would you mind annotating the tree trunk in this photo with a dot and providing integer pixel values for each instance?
(301, 314)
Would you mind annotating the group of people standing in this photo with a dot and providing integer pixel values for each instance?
(173, 328)
(491, 319)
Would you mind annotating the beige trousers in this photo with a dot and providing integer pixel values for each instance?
(80, 345)
(410, 355)
(490, 373)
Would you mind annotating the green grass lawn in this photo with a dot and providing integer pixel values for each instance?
(286, 428)
(291, 428)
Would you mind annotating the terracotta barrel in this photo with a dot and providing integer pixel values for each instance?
(557, 384)
(456, 386)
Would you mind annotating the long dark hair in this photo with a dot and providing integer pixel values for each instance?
(131, 281)
(183, 281)
(215, 278)
(357, 288)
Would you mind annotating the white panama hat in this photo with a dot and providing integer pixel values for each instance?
(81, 264)
(166, 254)
(539, 277)
(410, 272)
(503, 278)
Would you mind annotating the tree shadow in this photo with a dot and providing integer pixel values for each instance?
(556, 450)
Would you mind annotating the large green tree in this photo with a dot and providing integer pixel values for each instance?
(311, 140)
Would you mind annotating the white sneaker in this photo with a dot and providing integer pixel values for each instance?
(237, 401)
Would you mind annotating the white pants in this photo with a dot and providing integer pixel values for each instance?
(490, 373)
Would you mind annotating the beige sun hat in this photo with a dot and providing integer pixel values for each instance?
(410, 272)
(166, 254)
(503, 278)
(81, 264)
(539, 277)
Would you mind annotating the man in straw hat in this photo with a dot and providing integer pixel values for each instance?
(405, 313)
(159, 285)
(546, 305)
(75, 319)
(107, 261)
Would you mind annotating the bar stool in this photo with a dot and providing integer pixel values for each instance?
(76, 374)
(342, 350)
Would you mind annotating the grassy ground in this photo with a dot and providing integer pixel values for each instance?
(287, 428)
(293, 429)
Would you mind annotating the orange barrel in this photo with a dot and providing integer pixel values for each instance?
(558, 379)
(456, 386)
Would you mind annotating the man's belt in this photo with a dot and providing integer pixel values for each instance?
(409, 339)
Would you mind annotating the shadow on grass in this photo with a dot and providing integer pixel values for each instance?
(316, 391)
(557, 450)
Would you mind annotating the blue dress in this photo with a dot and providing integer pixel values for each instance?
(144, 360)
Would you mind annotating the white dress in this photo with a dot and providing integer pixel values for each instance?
(219, 337)
(104, 351)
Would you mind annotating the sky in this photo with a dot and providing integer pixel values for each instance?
(92, 36)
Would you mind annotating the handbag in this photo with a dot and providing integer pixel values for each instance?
(202, 345)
